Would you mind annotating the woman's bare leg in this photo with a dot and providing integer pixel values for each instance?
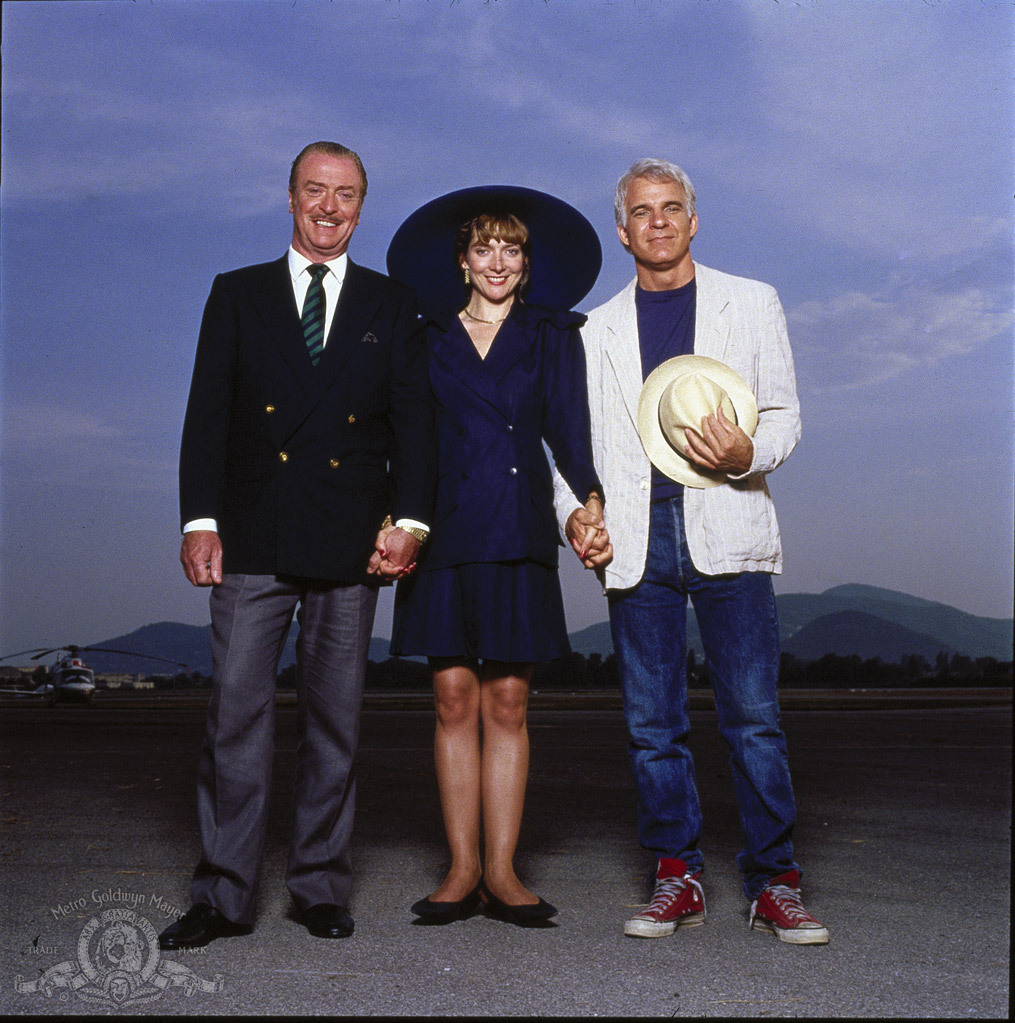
(457, 760)
(504, 693)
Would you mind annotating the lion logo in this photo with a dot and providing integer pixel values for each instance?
(119, 963)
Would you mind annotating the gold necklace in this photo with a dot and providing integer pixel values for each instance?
(478, 320)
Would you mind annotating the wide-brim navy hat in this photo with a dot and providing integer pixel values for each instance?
(566, 254)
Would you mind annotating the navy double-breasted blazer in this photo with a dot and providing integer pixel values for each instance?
(494, 486)
(299, 464)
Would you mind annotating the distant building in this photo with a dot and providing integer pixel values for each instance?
(123, 681)
(16, 676)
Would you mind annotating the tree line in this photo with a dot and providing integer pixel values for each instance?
(578, 672)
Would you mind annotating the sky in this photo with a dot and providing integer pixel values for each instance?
(855, 155)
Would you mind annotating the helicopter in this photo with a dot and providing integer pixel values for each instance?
(70, 680)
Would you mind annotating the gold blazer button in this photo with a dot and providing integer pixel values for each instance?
(283, 456)
(352, 419)
(334, 463)
(269, 409)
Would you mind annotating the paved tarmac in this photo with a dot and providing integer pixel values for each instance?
(904, 834)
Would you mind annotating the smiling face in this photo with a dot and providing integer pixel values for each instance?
(658, 231)
(495, 267)
(325, 202)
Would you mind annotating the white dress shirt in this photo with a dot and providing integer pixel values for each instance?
(299, 272)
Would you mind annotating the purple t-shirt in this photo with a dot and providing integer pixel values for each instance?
(665, 330)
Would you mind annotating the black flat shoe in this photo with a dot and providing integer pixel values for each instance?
(327, 921)
(446, 912)
(537, 915)
(199, 926)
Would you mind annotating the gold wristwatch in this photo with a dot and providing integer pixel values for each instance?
(414, 531)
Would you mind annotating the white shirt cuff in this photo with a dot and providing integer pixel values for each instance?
(412, 524)
(213, 525)
(201, 524)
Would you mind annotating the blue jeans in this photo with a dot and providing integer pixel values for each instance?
(739, 631)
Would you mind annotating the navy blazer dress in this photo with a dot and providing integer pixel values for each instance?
(490, 562)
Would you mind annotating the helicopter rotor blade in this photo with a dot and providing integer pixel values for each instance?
(134, 653)
(35, 652)
(73, 649)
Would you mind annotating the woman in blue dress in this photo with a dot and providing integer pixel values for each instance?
(485, 601)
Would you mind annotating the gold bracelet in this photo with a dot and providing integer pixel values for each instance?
(414, 531)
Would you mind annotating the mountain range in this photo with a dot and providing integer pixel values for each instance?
(863, 620)
(851, 619)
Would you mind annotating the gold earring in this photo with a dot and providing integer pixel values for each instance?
(468, 279)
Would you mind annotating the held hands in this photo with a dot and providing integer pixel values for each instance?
(721, 445)
(394, 554)
(586, 531)
(201, 557)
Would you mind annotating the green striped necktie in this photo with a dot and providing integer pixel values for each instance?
(312, 319)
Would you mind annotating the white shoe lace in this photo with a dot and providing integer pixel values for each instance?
(668, 890)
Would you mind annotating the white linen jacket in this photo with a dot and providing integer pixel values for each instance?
(732, 527)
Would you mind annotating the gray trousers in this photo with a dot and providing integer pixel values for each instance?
(251, 615)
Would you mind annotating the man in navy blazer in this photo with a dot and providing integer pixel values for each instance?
(292, 458)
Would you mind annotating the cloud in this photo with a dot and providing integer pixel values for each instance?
(855, 339)
(203, 124)
(105, 141)
(187, 115)
(31, 428)
(834, 122)
(47, 445)
(876, 131)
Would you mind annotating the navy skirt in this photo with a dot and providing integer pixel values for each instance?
(498, 611)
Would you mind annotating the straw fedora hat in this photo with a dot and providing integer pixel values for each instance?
(677, 395)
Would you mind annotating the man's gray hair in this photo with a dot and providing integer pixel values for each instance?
(335, 149)
(654, 170)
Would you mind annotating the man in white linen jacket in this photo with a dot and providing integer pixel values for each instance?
(718, 545)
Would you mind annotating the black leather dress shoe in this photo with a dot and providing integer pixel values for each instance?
(327, 921)
(200, 925)
(430, 912)
(525, 915)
